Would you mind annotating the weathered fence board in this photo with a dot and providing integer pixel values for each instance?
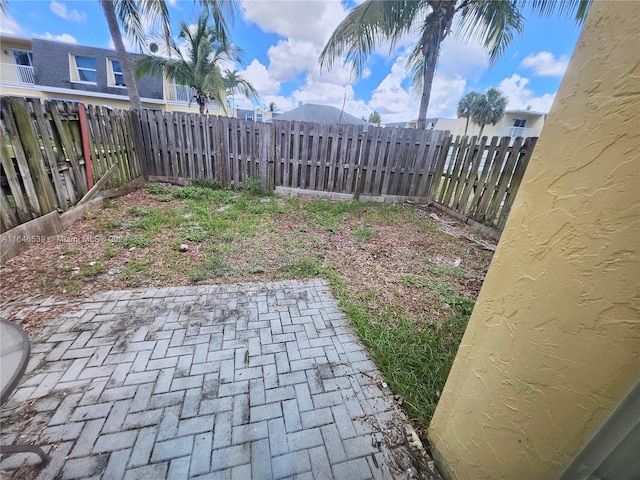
(480, 180)
(43, 159)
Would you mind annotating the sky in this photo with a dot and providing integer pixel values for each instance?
(282, 40)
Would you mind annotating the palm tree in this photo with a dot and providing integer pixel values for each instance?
(373, 22)
(465, 107)
(488, 108)
(236, 83)
(199, 67)
(273, 107)
(130, 14)
(375, 118)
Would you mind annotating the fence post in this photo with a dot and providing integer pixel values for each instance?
(363, 147)
(84, 131)
(272, 156)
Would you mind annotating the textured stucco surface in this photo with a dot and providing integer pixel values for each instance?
(553, 344)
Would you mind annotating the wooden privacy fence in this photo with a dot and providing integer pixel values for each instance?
(467, 175)
(44, 161)
(182, 145)
(479, 181)
(331, 158)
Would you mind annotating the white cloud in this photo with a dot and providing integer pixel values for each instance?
(458, 58)
(545, 64)
(64, 37)
(521, 97)
(60, 9)
(8, 25)
(390, 97)
(312, 21)
(258, 75)
(288, 58)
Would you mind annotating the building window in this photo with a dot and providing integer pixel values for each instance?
(258, 117)
(23, 58)
(85, 69)
(116, 78)
(519, 122)
(24, 66)
(249, 116)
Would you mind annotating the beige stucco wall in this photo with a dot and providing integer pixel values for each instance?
(553, 344)
(456, 125)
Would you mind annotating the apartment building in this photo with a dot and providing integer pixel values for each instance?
(47, 69)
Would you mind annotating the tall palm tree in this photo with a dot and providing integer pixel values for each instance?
(199, 67)
(465, 107)
(130, 13)
(236, 83)
(488, 108)
(373, 22)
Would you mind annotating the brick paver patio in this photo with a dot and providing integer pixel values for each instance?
(232, 381)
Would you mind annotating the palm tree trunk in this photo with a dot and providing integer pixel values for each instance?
(466, 126)
(432, 39)
(427, 81)
(481, 129)
(121, 53)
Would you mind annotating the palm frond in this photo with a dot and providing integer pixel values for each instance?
(546, 8)
(130, 16)
(493, 23)
(220, 11)
(366, 27)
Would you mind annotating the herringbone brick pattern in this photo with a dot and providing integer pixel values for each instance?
(234, 381)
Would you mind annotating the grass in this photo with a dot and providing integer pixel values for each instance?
(407, 287)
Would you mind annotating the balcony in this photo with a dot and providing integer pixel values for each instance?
(12, 74)
(180, 94)
(519, 132)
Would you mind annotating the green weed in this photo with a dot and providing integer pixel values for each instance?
(447, 270)
(134, 267)
(133, 241)
(109, 251)
(211, 184)
(365, 234)
(415, 280)
(213, 266)
(307, 267)
(156, 189)
(93, 269)
(108, 203)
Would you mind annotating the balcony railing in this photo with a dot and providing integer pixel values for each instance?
(13, 74)
(181, 94)
(519, 132)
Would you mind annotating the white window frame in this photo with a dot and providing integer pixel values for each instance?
(259, 117)
(75, 69)
(523, 120)
(111, 78)
(248, 117)
(29, 56)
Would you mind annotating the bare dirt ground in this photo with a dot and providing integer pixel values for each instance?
(387, 257)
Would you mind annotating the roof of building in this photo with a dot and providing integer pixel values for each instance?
(527, 112)
(310, 112)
